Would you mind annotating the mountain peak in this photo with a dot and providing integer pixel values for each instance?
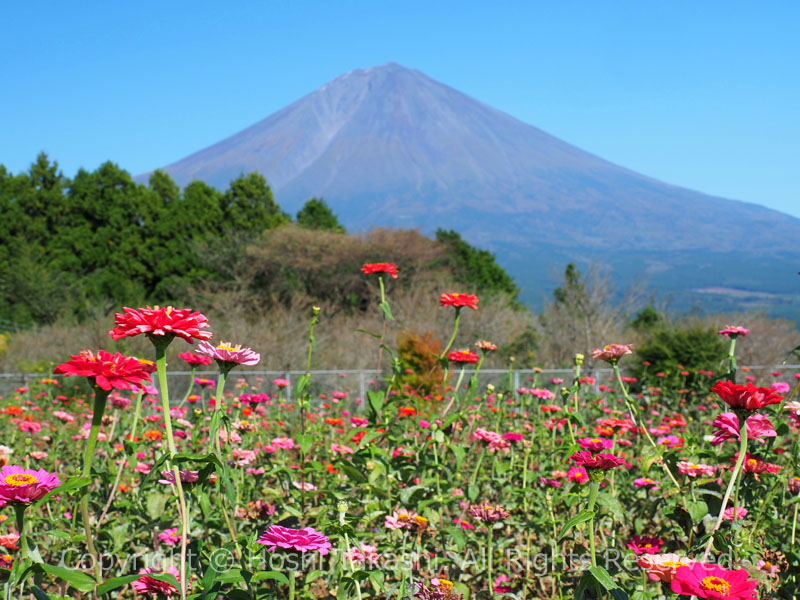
(388, 145)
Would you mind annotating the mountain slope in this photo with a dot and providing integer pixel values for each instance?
(391, 146)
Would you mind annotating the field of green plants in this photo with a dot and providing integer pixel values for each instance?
(435, 485)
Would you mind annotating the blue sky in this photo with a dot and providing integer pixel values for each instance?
(699, 94)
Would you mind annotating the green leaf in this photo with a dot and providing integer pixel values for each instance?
(77, 579)
(376, 577)
(576, 520)
(109, 585)
(352, 472)
(274, 575)
(697, 510)
(472, 492)
(613, 505)
(375, 401)
(377, 336)
(73, 483)
(386, 310)
(305, 440)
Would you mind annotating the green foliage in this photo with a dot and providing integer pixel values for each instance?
(102, 240)
(693, 347)
(522, 348)
(646, 319)
(316, 214)
(475, 268)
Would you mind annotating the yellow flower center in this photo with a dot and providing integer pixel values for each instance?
(228, 346)
(673, 564)
(752, 463)
(445, 584)
(717, 584)
(402, 516)
(422, 521)
(594, 441)
(20, 479)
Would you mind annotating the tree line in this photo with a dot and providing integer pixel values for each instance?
(71, 246)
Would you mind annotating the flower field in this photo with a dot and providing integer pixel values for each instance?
(659, 487)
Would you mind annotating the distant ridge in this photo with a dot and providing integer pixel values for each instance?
(390, 146)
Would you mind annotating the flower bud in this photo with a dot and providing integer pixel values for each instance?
(579, 359)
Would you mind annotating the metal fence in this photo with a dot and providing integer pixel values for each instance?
(353, 383)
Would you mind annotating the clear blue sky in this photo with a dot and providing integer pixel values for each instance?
(699, 94)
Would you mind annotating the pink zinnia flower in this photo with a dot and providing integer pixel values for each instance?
(283, 443)
(646, 482)
(727, 424)
(170, 537)
(741, 513)
(733, 331)
(228, 355)
(187, 476)
(662, 566)
(577, 474)
(299, 540)
(280, 383)
(713, 582)
(23, 486)
(161, 322)
(612, 352)
(780, 387)
(366, 553)
(595, 444)
(694, 469)
(150, 587)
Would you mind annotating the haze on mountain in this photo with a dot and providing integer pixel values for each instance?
(389, 146)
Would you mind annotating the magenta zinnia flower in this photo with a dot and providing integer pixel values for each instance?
(595, 444)
(23, 486)
(733, 331)
(604, 461)
(727, 424)
(194, 359)
(161, 322)
(299, 540)
(147, 586)
(713, 582)
(646, 544)
(228, 355)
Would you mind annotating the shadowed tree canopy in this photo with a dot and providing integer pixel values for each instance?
(316, 214)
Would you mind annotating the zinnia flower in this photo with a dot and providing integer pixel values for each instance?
(713, 582)
(646, 544)
(463, 356)
(458, 300)
(747, 397)
(150, 587)
(604, 461)
(662, 566)
(612, 352)
(694, 469)
(228, 356)
(733, 331)
(370, 268)
(23, 486)
(741, 513)
(727, 424)
(595, 444)
(161, 322)
(299, 540)
(194, 359)
(441, 589)
(487, 513)
(108, 370)
(170, 537)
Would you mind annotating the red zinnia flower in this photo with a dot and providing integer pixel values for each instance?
(161, 322)
(748, 397)
(390, 268)
(149, 587)
(463, 356)
(458, 300)
(712, 581)
(108, 370)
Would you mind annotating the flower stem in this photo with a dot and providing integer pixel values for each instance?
(731, 484)
(291, 584)
(489, 559)
(19, 509)
(594, 488)
(100, 398)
